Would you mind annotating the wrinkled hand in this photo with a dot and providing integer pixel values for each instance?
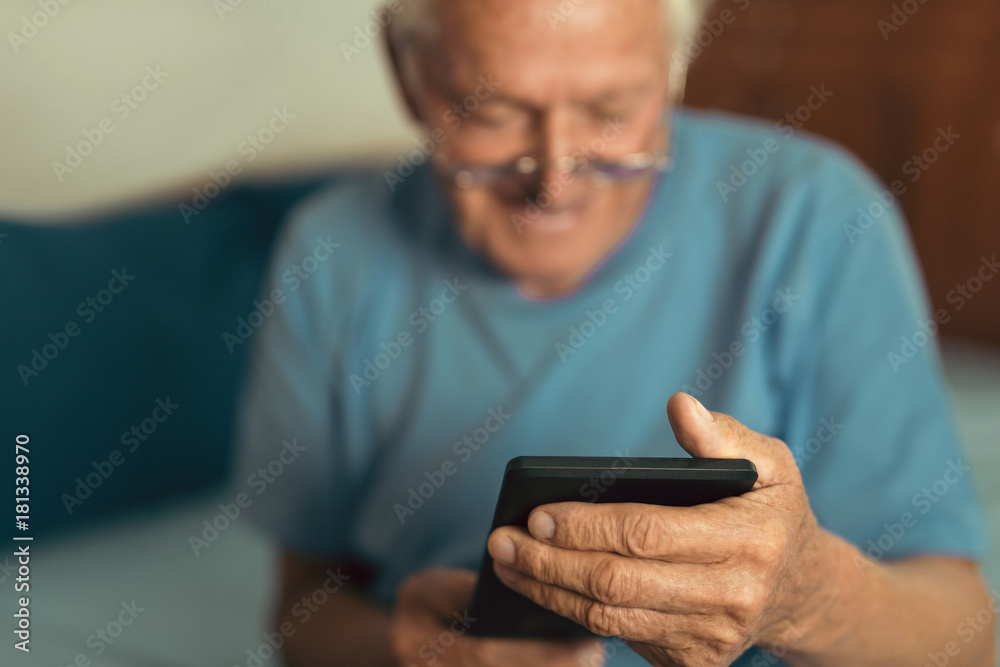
(683, 586)
(430, 626)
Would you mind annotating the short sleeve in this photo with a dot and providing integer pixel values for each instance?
(868, 414)
(289, 462)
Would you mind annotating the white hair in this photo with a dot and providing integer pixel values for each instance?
(683, 19)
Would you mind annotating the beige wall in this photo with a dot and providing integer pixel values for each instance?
(225, 71)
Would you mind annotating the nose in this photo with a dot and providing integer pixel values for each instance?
(556, 136)
(558, 141)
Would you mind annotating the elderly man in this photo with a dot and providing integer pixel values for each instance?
(565, 262)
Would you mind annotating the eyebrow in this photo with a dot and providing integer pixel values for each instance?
(602, 98)
(619, 93)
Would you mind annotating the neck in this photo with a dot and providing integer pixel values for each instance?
(550, 288)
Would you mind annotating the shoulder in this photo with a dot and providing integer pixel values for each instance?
(777, 191)
(354, 205)
(793, 210)
(370, 211)
(357, 237)
(752, 159)
(324, 258)
(369, 220)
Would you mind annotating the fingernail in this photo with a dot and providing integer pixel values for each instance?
(542, 525)
(503, 551)
(703, 411)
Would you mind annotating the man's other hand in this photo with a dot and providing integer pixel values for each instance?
(431, 622)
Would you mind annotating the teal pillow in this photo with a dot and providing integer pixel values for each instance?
(114, 359)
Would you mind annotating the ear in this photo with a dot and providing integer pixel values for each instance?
(404, 82)
(677, 81)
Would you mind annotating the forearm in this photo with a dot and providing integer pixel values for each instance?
(346, 630)
(893, 614)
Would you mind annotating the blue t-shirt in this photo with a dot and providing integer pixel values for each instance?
(396, 372)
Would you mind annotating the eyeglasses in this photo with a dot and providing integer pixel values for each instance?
(623, 169)
(526, 170)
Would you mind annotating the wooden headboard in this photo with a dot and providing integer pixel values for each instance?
(902, 72)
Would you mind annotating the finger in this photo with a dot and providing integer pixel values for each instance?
(427, 640)
(438, 591)
(527, 652)
(705, 434)
(431, 628)
(629, 623)
(616, 580)
(700, 534)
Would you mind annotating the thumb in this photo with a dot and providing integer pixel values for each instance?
(713, 435)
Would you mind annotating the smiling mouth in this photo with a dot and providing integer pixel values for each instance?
(554, 223)
(533, 219)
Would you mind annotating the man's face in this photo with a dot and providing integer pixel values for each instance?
(510, 78)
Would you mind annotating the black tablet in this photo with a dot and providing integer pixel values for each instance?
(530, 481)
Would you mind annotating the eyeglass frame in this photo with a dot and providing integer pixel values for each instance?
(620, 170)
